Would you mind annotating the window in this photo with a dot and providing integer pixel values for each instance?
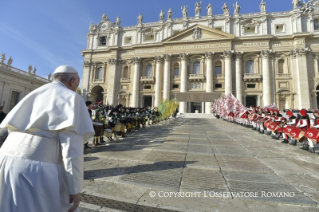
(316, 24)
(280, 28)
(250, 67)
(125, 72)
(149, 37)
(176, 70)
(175, 86)
(127, 40)
(250, 30)
(196, 68)
(218, 86)
(281, 66)
(99, 73)
(147, 87)
(218, 68)
(149, 71)
(15, 97)
(103, 41)
(251, 85)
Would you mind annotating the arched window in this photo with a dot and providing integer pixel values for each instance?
(176, 70)
(250, 67)
(99, 73)
(281, 66)
(218, 68)
(196, 68)
(125, 72)
(149, 71)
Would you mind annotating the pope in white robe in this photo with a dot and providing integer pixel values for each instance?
(41, 161)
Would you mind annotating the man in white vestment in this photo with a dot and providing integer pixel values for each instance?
(41, 161)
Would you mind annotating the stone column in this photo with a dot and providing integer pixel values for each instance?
(158, 80)
(136, 81)
(189, 107)
(266, 77)
(259, 101)
(203, 107)
(239, 76)
(184, 79)
(302, 76)
(141, 101)
(167, 77)
(111, 82)
(245, 95)
(277, 100)
(228, 71)
(209, 79)
(153, 100)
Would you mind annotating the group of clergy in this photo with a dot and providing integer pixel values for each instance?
(116, 121)
(302, 126)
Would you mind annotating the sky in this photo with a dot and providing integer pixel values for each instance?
(50, 33)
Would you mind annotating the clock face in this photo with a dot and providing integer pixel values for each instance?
(105, 26)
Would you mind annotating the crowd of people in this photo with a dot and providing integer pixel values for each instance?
(112, 121)
(292, 125)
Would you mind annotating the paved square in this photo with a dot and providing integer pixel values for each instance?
(199, 156)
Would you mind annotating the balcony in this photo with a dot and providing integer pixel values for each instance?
(176, 78)
(283, 76)
(98, 80)
(196, 77)
(252, 77)
(125, 80)
(145, 79)
(220, 76)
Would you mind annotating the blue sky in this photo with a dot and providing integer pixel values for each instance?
(49, 33)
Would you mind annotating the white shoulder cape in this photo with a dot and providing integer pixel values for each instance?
(51, 107)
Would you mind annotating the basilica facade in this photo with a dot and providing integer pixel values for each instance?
(261, 58)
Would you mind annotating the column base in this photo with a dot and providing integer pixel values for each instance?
(183, 107)
(208, 107)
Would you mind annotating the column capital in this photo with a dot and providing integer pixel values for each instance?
(87, 63)
(228, 54)
(238, 55)
(112, 61)
(301, 51)
(266, 53)
(158, 59)
(183, 56)
(167, 57)
(209, 55)
(135, 60)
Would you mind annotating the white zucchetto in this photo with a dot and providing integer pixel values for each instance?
(65, 69)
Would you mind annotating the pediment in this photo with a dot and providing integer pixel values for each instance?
(199, 33)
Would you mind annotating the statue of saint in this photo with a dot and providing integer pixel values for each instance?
(29, 69)
(209, 9)
(139, 19)
(169, 14)
(162, 15)
(262, 6)
(3, 57)
(104, 17)
(295, 4)
(237, 8)
(198, 8)
(34, 70)
(92, 27)
(9, 61)
(118, 21)
(225, 9)
(184, 10)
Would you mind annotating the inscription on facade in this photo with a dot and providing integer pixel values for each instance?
(278, 44)
(252, 44)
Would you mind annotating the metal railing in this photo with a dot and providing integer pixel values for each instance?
(147, 78)
(220, 76)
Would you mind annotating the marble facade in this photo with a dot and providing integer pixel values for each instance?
(260, 57)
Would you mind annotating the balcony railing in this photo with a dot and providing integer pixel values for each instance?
(196, 77)
(252, 77)
(220, 76)
(283, 75)
(146, 79)
(125, 80)
(98, 80)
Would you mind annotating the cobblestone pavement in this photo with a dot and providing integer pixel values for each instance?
(200, 158)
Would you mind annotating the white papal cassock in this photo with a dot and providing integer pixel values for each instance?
(41, 161)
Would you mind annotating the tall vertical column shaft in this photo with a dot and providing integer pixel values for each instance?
(266, 77)
(184, 59)
(167, 77)
(158, 80)
(239, 74)
(136, 82)
(209, 79)
(111, 81)
(228, 71)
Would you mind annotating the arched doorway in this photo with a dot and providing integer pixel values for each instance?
(97, 91)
